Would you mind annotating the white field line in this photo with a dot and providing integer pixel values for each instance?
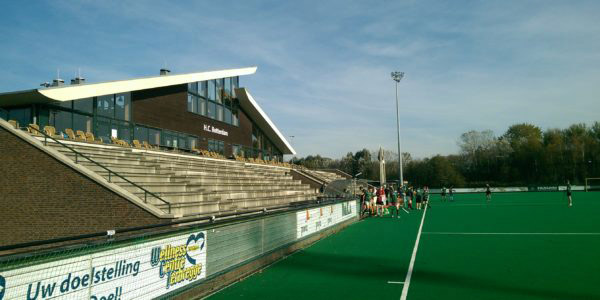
(503, 204)
(412, 259)
(513, 233)
(404, 209)
(396, 282)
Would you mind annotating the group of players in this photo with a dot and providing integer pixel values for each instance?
(376, 200)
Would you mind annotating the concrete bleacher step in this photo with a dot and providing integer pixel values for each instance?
(162, 187)
(191, 184)
(185, 197)
(120, 168)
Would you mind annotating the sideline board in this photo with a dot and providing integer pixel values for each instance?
(142, 271)
(316, 219)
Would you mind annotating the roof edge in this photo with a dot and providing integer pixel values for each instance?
(80, 91)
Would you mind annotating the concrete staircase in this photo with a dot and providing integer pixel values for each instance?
(193, 185)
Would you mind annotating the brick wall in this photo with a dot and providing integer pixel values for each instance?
(41, 198)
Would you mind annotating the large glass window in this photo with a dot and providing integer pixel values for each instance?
(220, 112)
(235, 120)
(227, 115)
(193, 87)
(103, 129)
(106, 106)
(212, 110)
(212, 95)
(4, 114)
(140, 133)
(192, 103)
(216, 146)
(65, 104)
(21, 115)
(219, 90)
(122, 106)
(255, 144)
(61, 120)
(234, 85)
(202, 106)
(84, 105)
(202, 88)
(154, 136)
(192, 142)
(82, 122)
(227, 88)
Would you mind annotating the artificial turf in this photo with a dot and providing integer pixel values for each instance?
(537, 252)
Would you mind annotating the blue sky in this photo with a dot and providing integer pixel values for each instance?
(324, 66)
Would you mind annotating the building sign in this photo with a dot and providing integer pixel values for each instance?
(141, 271)
(215, 130)
(317, 219)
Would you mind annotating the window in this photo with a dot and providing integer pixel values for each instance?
(192, 103)
(182, 142)
(21, 115)
(122, 106)
(65, 104)
(106, 106)
(220, 112)
(227, 88)
(202, 89)
(216, 146)
(227, 116)
(153, 136)
(219, 90)
(84, 105)
(103, 129)
(212, 90)
(255, 144)
(234, 84)
(4, 114)
(192, 142)
(140, 134)
(202, 106)
(235, 120)
(212, 110)
(193, 87)
(82, 122)
(61, 120)
(237, 150)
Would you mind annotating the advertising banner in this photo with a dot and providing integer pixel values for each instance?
(316, 219)
(142, 271)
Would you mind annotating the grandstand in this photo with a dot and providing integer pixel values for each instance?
(176, 146)
(191, 184)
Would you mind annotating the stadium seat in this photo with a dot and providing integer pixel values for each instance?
(34, 129)
(137, 144)
(14, 123)
(51, 131)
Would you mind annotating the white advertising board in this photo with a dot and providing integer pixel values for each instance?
(315, 219)
(142, 271)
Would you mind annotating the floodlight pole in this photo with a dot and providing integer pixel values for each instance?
(397, 76)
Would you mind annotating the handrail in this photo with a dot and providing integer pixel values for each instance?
(77, 154)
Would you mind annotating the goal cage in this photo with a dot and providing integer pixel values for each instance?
(592, 184)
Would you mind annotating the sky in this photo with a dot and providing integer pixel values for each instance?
(324, 66)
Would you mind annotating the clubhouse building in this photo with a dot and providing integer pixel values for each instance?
(206, 110)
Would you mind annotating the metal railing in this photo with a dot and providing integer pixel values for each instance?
(110, 172)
